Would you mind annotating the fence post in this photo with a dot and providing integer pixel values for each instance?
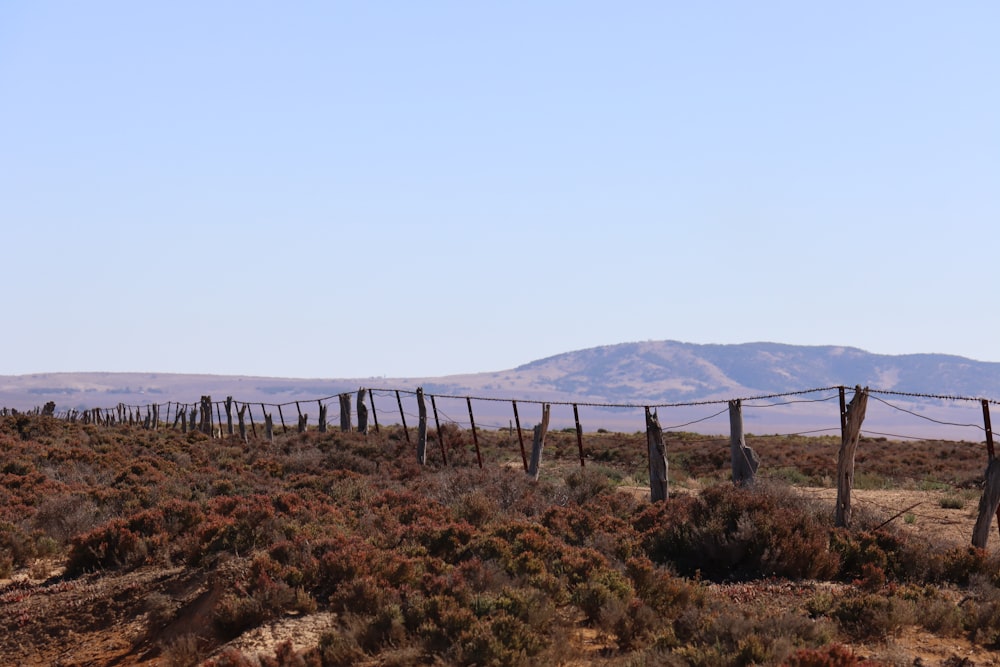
(345, 413)
(421, 426)
(371, 399)
(281, 416)
(520, 437)
(744, 459)
(183, 414)
(538, 442)
(322, 417)
(240, 414)
(268, 427)
(362, 412)
(475, 438)
(437, 425)
(989, 503)
(658, 484)
(853, 416)
(229, 415)
(579, 433)
(402, 417)
(206, 415)
(253, 426)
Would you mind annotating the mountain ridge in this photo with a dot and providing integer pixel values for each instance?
(637, 373)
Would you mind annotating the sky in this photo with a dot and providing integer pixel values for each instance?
(401, 189)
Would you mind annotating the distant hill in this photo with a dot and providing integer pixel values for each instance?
(643, 373)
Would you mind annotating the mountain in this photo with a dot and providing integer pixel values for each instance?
(641, 373)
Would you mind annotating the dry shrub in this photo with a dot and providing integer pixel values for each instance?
(729, 532)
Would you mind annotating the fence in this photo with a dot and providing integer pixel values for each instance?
(206, 416)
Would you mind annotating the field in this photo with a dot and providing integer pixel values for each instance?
(122, 546)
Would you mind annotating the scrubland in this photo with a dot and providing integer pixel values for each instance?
(125, 546)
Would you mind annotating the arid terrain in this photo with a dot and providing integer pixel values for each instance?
(123, 546)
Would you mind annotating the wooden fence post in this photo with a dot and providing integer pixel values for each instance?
(281, 416)
(322, 417)
(345, 413)
(229, 415)
(538, 442)
(303, 421)
(241, 414)
(989, 503)
(520, 437)
(658, 484)
(579, 433)
(253, 426)
(440, 435)
(475, 438)
(744, 459)
(184, 419)
(854, 415)
(421, 427)
(218, 415)
(206, 415)
(402, 417)
(268, 427)
(371, 399)
(362, 412)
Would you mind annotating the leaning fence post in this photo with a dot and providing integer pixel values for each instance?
(854, 415)
(281, 416)
(362, 412)
(345, 413)
(472, 425)
(371, 398)
(658, 485)
(744, 459)
(253, 426)
(579, 433)
(520, 437)
(989, 503)
(421, 427)
(437, 425)
(538, 442)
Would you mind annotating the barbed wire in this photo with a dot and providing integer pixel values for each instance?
(936, 421)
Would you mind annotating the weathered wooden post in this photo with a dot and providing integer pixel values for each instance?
(345, 413)
(658, 485)
(303, 421)
(183, 414)
(744, 459)
(402, 416)
(579, 433)
(371, 399)
(989, 503)
(362, 412)
(475, 437)
(281, 416)
(229, 415)
(520, 437)
(253, 426)
(206, 415)
(538, 442)
(322, 416)
(241, 416)
(854, 415)
(268, 427)
(218, 415)
(421, 427)
(440, 435)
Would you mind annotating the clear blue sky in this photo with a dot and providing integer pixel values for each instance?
(353, 189)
